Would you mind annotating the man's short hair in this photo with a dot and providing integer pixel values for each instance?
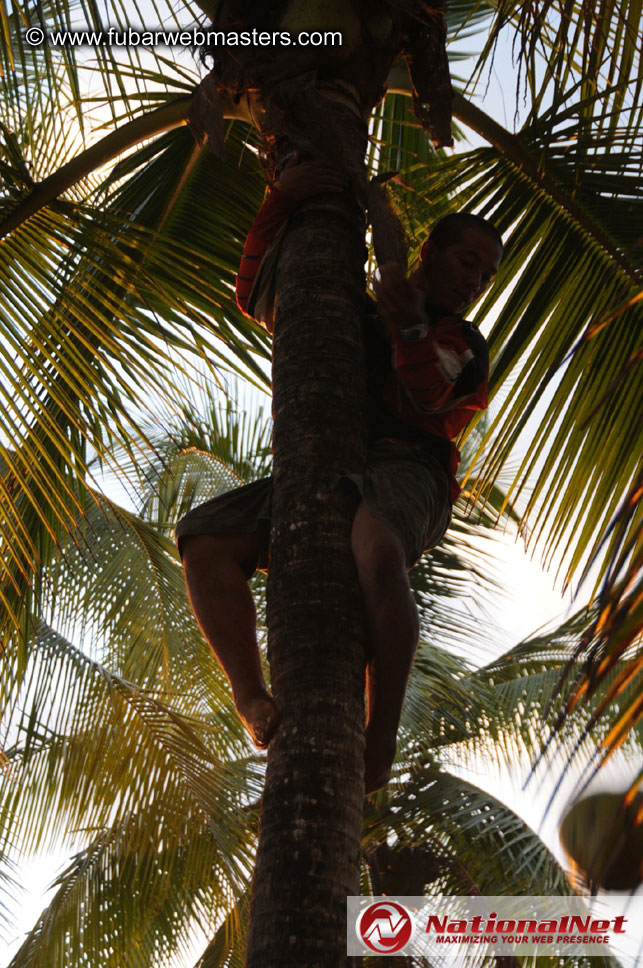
(450, 228)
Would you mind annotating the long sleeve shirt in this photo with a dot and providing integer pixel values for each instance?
(421, 391)
(272, 216)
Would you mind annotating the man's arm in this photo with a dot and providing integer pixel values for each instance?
(442, 367)
(272, 215)
(446, 367)
(298, 181)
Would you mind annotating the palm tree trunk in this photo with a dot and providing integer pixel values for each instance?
(309, 848)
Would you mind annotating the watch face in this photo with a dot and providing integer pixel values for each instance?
(415, 332)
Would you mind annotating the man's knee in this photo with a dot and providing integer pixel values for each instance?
(378, 553)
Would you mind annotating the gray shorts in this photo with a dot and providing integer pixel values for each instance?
(407, 489)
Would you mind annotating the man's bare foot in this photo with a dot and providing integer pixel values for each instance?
(378, 759)
(260, 717)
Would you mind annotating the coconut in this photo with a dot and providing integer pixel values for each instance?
(603, 835)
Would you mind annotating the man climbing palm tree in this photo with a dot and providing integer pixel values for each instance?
(426, 374)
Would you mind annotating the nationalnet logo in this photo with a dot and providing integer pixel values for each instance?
(478, 926)
(385, 927)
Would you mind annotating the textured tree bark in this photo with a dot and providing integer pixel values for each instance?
(309, 849)
(309, 846)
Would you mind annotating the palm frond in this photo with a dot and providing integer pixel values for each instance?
(510, 708)
(228, 946)
(58, 74)
(495, 845)
(176, 883)
(80, 772)
(556, 44)
(209, 446)
(91, 344)
(605, 691)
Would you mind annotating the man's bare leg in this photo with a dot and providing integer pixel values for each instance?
(225, 611)
(393, 630)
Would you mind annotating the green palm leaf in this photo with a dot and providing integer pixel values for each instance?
(172, 890)
(556, 45)
(31, 74)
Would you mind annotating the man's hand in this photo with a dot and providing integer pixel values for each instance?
(398, 301)
(303, 179)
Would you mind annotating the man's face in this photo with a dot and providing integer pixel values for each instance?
(455, 276)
